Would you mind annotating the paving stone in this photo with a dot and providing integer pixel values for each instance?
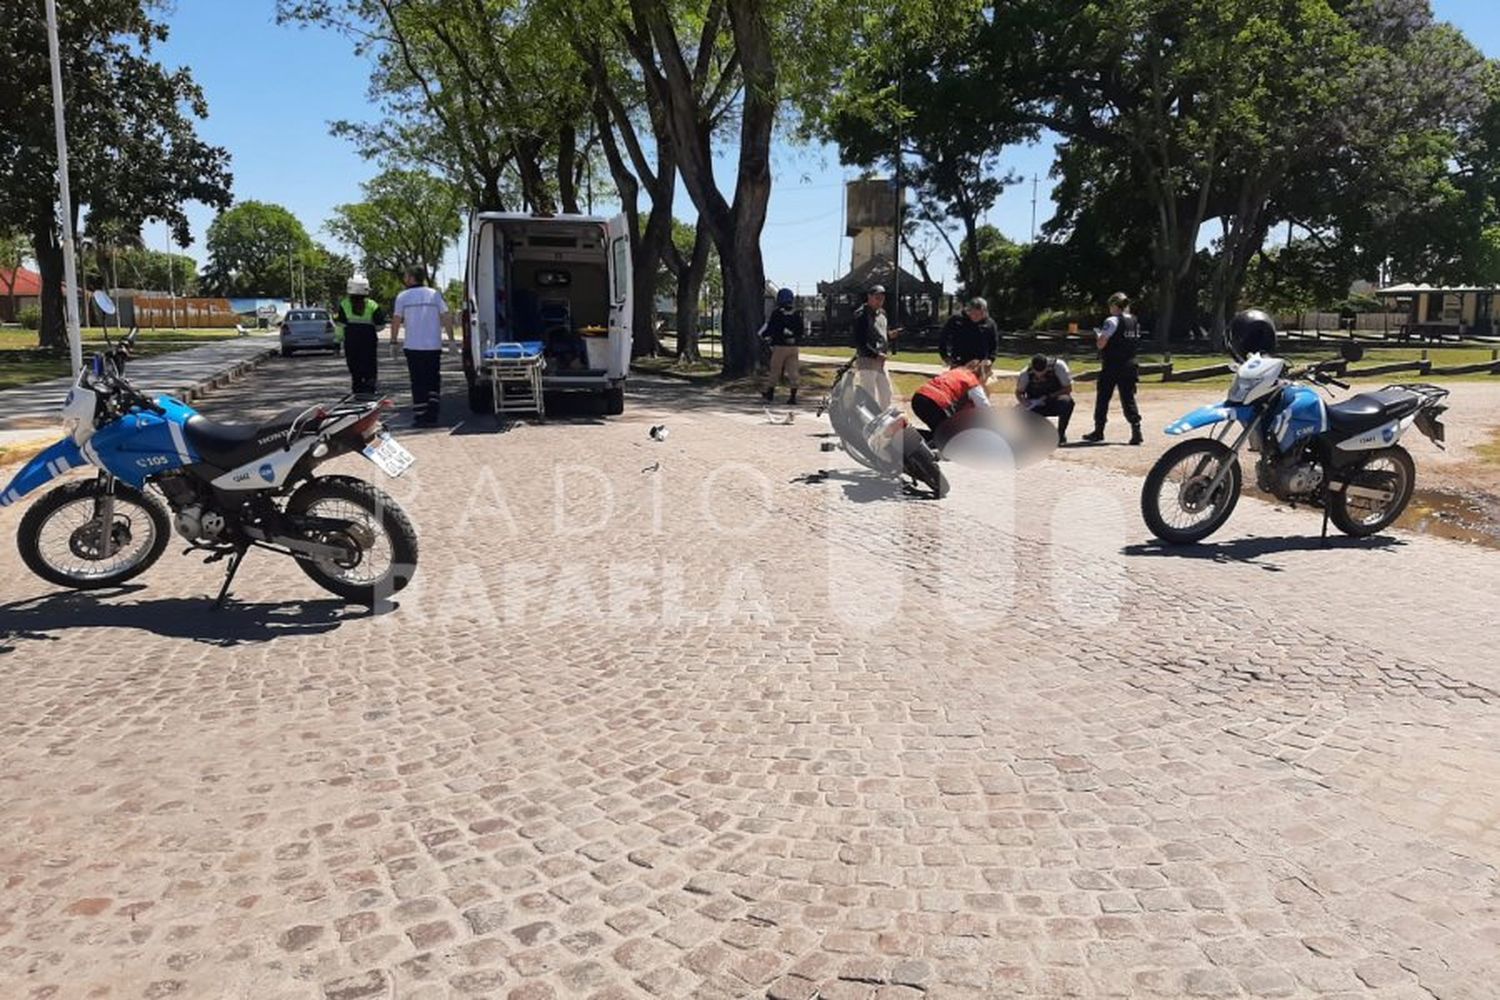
(742, 784)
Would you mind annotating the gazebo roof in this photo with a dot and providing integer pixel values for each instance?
(1410, 289)
(878, 271)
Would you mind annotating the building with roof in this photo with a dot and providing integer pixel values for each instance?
(19, 288)
(1432, 310)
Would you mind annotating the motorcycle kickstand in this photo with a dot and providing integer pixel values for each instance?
(234, 567)
(1325, 526)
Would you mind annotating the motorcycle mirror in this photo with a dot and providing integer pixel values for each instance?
(104, 302)
(1351, 351)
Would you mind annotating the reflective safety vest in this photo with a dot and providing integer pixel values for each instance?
(367, 317)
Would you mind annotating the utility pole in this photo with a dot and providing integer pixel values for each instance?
(900, 204)
(65, 213)
(1034, 182)
(171, 280)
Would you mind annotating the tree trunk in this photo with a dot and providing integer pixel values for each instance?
(689, 287)
(567, 175)
(653, 244)
(53, 333)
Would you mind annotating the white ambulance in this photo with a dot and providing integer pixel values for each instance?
(554, 285)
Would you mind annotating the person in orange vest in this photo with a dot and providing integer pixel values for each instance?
(945, 396)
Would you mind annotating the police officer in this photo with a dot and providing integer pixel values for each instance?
(1117, 340)
(359, 319)
(783, 330)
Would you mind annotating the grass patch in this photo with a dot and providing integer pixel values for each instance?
(1489, 452)
(23, 362)
(93, 337)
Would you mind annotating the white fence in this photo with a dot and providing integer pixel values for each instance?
(1375, 322)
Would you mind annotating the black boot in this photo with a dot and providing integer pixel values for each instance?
(1096, 436)
(1135, 434)
(791, 399)
(769, 394)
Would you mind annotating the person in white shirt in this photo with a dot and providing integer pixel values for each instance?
(1046, 389)
(423, 314)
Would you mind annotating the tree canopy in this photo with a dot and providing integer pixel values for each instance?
(133, 149)
(407, 218)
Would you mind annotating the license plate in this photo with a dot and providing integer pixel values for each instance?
(387, 453)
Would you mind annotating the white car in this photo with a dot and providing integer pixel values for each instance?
(308, 330)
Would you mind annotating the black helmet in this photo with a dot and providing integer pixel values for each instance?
(1252, 332)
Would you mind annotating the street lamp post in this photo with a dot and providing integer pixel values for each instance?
(70, 268)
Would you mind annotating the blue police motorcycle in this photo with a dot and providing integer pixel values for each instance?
(224, 488)
(1344, 458)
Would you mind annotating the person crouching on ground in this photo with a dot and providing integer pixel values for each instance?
(956, 390)
(783, 330)
(1045, 388)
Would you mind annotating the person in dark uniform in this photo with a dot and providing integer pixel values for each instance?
(783, 330)
(360, 318)
(1046, 390)
(969, 335)
(1118, 340)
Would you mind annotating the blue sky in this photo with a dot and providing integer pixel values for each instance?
(273, 90)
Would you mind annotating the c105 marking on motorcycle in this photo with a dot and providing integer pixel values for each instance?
(1343, 457)
(349, 537)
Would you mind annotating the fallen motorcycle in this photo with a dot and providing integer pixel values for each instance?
(229, 488)
(880, 439)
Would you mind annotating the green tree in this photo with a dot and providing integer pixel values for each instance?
(480, 91)
(253, 249)
(133, 150)
(407, 218)
(157, 271)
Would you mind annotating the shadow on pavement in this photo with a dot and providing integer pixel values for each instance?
(1251, 550)
(863, 487)
(42, 619)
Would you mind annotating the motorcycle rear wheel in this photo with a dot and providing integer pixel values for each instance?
(1180, 480)
(922, 465)
(379, 530)
(1399, 475)
(75, 560)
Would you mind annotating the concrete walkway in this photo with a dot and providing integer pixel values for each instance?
(182, 374)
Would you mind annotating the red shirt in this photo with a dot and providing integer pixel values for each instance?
(950, 390)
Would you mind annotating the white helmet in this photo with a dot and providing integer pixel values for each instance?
(359, 285)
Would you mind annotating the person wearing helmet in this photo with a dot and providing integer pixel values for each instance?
(1117, 341)
(359, 319)
(783, 330)
(1252, 332)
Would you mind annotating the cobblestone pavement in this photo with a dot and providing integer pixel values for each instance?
(678, 719)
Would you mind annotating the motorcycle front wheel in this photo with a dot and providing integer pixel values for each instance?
(63, 540)
(379, 537)
(1176, 500)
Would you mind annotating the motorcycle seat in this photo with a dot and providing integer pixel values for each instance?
(228, 446)
(1369, 410)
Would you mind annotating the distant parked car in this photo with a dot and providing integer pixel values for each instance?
(308, 330)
